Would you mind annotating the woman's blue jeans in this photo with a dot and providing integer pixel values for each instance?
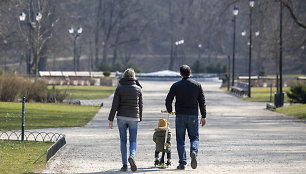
(123, 125)
(189, 122)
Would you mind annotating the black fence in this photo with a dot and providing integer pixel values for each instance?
(30, 136)
(58, 139)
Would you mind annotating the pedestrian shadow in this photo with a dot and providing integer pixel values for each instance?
(139, 170)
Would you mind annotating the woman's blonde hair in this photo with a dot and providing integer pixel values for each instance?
(129, 73)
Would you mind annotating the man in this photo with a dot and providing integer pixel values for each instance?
(189, 96)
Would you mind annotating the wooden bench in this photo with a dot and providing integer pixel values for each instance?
(241, 88)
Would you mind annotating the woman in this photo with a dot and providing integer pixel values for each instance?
(127, 102)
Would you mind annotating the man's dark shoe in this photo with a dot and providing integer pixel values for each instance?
(194, 162)
(156, 162)
(180, 167)
(123, 168)
(133, 164)
(168, 163)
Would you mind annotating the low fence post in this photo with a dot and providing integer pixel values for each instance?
(23, 118)
(271, 93)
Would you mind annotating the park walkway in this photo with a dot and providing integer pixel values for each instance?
(240, 137)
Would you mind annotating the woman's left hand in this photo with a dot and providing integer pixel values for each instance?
(110, 124)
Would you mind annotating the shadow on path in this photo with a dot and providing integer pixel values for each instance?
(140, 170)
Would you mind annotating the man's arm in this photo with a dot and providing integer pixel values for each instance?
(169, 99)
(201, 101)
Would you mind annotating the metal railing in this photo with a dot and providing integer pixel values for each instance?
(30, 136)
(58, 139)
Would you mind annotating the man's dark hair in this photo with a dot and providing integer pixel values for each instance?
(185, 70)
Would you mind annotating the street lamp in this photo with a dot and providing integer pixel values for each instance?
(75, 35)
(280, 101)
(4, 45)
(235, 13)
(199, 46)
(177, 44)
(251, 3)
(33, 25)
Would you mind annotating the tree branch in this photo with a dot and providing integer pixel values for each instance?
(286, 4)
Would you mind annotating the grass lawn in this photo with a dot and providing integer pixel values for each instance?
(262, 94)
(86, 92)
(294, 110)
(288, 75)
(38, 115)
(18, 157)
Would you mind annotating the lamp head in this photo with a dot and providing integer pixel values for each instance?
(71, 30)
(22, 16)
(252, 3)
(80, 30)
(235, 11)
(38, 16)
(243, 33)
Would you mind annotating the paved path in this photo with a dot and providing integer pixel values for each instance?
(240, 137)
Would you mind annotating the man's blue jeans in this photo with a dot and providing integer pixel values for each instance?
(123, 125)
(189, 122)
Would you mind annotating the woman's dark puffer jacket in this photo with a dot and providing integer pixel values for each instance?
(127, 100)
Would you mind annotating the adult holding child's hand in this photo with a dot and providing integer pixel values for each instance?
(127, 102)
(189, 97)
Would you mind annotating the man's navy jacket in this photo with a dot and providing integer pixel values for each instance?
(189, 96)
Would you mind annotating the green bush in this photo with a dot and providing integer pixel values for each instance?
(118, 67)
(297, 93)
(198, 67)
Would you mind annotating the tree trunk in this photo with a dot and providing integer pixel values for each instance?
(172, 58)
(97, 33)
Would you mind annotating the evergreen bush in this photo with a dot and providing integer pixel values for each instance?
(297, 93)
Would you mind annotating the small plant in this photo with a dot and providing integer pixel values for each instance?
(297, 93)
(262, 73)
(106, 73)
(55, 95)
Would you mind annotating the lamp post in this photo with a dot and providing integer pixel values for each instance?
(280, 95)
(4, 63)
(199, 47)
(251, 3)
(32, 25)
(228, 72)
(75, 37)
(235, 13)
(177, 43)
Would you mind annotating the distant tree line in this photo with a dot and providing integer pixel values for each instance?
(118, 33)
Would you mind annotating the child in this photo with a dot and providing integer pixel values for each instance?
(159, 139)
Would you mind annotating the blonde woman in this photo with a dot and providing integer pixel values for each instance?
(127, 102)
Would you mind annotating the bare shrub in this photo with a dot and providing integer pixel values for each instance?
(11, 87)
